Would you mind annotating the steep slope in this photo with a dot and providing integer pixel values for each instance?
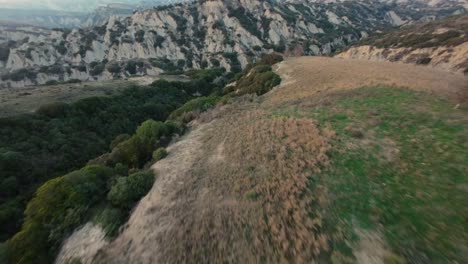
(205, 34)
(442, 44)
(317, 170)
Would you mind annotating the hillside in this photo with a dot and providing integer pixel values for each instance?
(204, 34)
(338, 164)
(442, 44)
(201, 133)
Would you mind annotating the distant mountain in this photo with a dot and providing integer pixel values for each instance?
(214, 33)
(43, 18)
(81, 6)
(64, 14)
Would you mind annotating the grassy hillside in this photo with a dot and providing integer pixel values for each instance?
(329, 166)
(397, 174)
(106, 190)
(343, 162)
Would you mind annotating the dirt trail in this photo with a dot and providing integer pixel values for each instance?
(315, 76)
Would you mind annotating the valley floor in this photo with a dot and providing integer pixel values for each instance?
(15, 101)
(346, 161)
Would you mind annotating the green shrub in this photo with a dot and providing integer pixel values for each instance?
(138, 149)
(114, 68)
(73, 81)
(260, 80)
(262, 68)
(52, 69)
(159, 154)
(52, 82)
(129, 190)
(257, 78)
(132, 65)
(158, 41)
(119, 139)
(140, 36)
(3, 253)
(192, 108)
(271, 59)
(61, 48)
(215, 62)
(59, 206)
(4, 53)
(208, 75)
(53, 110)
(181, 64)
(97, 69)
(110, 219)
(247, 20)
(20, 75)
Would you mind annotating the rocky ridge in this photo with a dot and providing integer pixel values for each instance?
(442, 44)
(208, 33)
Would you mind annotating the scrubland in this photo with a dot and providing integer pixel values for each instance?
(343, 162)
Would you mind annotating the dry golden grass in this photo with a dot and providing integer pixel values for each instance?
(252, 204)
(243, 199)
(312, 77)
(269, 162)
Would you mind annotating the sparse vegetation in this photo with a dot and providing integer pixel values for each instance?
(133, 65)
(158, 41)
(247, 21)
(193, 108)
(4, 52)
(159, 154)
(97, 68)
(453, 32)
(140, 36)
(398, 175)
(257, 79)
(129, 190)
(233, 59)
(20, 75)
(114, 68)
(61, 48)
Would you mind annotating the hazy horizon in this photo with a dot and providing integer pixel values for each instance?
(68, 5)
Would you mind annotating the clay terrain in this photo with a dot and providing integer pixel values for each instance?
(440, 44)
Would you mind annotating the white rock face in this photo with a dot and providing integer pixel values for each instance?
(395, 19)
(453, 59)
(230, 34)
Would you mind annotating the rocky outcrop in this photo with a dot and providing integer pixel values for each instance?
(448, 58)
(208, 33)
(441, 44)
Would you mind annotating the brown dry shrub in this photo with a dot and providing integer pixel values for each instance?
(252, 154)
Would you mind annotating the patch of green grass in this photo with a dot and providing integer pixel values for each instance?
(252, 195)
(405, 178)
